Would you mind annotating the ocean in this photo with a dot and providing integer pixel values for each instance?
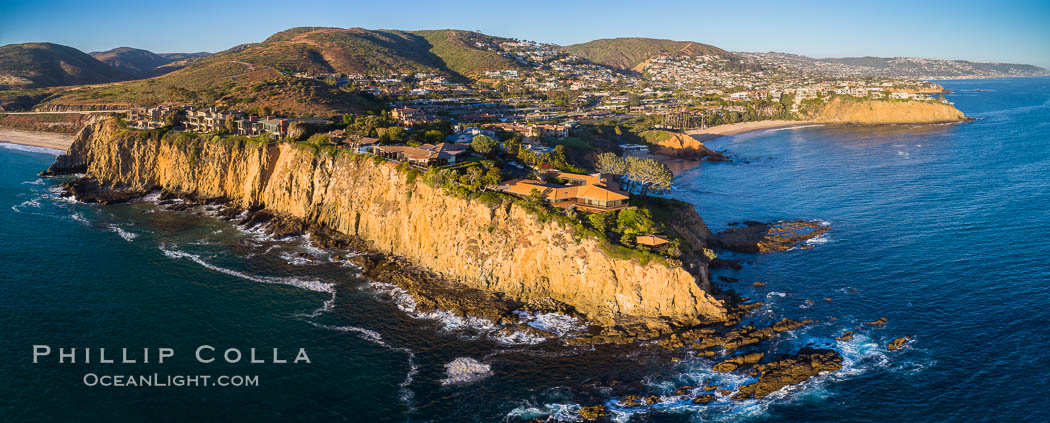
(944, 230)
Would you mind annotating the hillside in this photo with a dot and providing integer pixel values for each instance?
(467, 53)
(256, 75)
(629, 53)
(142, 63)
(33, 65)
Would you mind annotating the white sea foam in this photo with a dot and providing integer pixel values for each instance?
(567, 412)
(790, 128)
(556, 323)
(37, 181)
(307, 284)
(31, 149)
(294, 259)
(35, 203)
(464, 370)
(449, 321)
(79, 218)
(127, 236)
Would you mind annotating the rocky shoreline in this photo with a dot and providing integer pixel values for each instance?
(431, 293)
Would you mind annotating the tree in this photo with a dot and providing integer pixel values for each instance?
(633, 221)
(229, 125)
(434, 136)
(472, 178)
(611, 163)
(602, 221)
(513, 144)
(483, 144)
(535, 198)
(648, 175)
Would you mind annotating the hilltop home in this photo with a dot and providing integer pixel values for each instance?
(410, 116)
(210, 119)
(423, 156)
(591, 193)
(149, 117)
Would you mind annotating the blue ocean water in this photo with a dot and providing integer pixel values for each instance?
(944, 230)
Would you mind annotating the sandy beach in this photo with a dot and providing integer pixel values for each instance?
(36, 139)
(739, 128)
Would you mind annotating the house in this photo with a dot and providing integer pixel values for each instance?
(634, 148)
(591, 193)
(149, 117)
(279, 126)
(410, 116)
(423, 156)
(363, 145)
(210, 119)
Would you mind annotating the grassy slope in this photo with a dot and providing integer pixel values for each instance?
(627, 53)
(460, 54)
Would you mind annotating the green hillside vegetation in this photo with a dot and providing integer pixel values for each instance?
(627, 53)
(460, 52)
(33, 65)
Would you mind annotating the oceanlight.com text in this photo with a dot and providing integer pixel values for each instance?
(156, 380)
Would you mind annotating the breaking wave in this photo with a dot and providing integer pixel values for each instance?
(307, 284)
(31, 149)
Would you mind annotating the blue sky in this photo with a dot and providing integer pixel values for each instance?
(1007, 31)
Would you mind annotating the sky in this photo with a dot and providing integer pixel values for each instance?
(1015, 31)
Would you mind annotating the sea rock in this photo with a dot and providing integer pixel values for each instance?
(719, 263)
(727, 279)
(790, 370)
(898, 343)
(759, 284)
(736, 362)
(757, 237)
(90, 190)
(846, 336)
(630, 401)
(703, 399)
(592, 412)
(880, 322)
(465, 370)
(682, 390)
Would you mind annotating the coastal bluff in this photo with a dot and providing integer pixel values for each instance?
(497, 247)
(883, 112)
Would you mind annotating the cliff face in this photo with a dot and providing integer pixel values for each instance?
(679, 145)
(866, 112)
(499, 248)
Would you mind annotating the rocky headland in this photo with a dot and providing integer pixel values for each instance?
(851, 111)
(496, 247)
(472, 258)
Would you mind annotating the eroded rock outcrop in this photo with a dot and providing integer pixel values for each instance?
(678, 144)
(758, 237)
(492, 247)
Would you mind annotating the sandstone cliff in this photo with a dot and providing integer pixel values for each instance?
(679, 145)
(878, 112)
(500, 248)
